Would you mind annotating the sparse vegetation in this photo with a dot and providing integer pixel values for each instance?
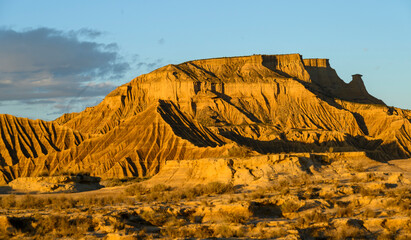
(59, 203)
(297, 205)
(162, 193)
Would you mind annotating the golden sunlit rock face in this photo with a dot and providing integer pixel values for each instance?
(213, 108)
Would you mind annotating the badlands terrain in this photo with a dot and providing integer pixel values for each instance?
(262, 146)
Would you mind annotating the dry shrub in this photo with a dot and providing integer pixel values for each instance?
(355, 179)
(8, 201)
(263, 231)
(232, 200)
(370, 213)
(400, 192)
(282, 186)
(347, 232)
(340, 212)
(303, 179)
(135, 190)
(309, 193)
(290, 207)
(357, 167)
(403, 204)
(157, 217)
(61, 226)
(160, 188)
(216, 188)
(311, 217)
(258, 194)
(112, 182)
(364, 191)
(329, 197)
(226, 231)
(234, 217)
(200, 232)
(50, 227)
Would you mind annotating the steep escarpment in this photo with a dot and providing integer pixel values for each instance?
(224, 107)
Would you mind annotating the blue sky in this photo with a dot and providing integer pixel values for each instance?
(62, 56)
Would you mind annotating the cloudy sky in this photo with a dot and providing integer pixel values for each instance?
(62, 56)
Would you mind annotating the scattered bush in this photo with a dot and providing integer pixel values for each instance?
(52, 226)
(226, 231)
(135, 189)
(234, 217)
(8, 201)
(370, 213)
(347, 232)
(290, 207)
(158, 217)
(160, 188)
(311, 217)
(162, 193)
(59, 203)
(343, 212)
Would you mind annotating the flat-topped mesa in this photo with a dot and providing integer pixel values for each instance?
(227, 69)
(208, 109)
(195, 85)
(317, 62)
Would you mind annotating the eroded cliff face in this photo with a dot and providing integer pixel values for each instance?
(227, 107)
(23, 139)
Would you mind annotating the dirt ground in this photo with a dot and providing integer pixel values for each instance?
(346, 199)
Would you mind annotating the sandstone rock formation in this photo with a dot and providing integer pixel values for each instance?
(224, 107)
(24, 141)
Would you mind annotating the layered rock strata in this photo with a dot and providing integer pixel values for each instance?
(223, 107)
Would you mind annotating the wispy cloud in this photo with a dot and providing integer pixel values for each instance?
(147, 63)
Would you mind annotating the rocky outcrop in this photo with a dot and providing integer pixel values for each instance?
(76, 183)
(256, 171)
(221, 107)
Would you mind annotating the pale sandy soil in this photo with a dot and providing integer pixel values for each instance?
(346, 199)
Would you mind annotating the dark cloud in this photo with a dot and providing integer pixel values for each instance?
(44, 101)
(44, 64)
